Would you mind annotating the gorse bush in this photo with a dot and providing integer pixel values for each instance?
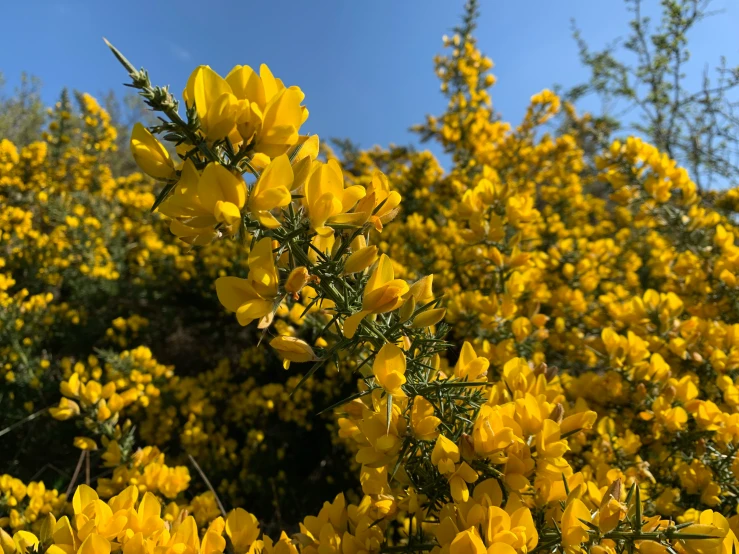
(307, 350)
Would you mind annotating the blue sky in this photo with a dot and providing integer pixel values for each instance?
(366, 66)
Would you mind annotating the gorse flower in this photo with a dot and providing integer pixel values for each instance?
(535, 351)
(383, 293)
(252, 298)
(150, 154)
(257, 111)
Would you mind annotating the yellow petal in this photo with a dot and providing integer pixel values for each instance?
(218, 183)
(352, 323)
(150, 155)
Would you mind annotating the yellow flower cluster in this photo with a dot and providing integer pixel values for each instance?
(27, 504)
(544, 339)
(82, 277)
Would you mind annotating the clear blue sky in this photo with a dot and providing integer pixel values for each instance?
(366, 66)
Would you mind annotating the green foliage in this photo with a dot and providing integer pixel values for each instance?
(653, 95)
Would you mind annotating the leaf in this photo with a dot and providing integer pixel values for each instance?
(295, 152)
(311, 371)
(168, 188)
(345, 401)
(121, 58)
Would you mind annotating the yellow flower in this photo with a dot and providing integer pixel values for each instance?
(360, 260)
(581, 420)
(85, 443)
(7, 545)
(423, 421)
(428, 318)
(389, 369)
(458, 482)
(380, 198)
(199, 202)
(711, 524)
(222, 193)
(173, 480)
(611, 510)
(517, 530)
(95, 544)
(150, 155)
(297, 279)
(184, 201)
(251, 298)
(71, 387)
(267, 113)
(242, 528)
(213, 100)
(327, 200)
(271, 191)
(24, 541)
(470, 365)
(292, 349)
(66, 409)
(467, 542)
(574, 531)
(494, 431)
(280, 122)
(445, 455)
(383, 293)
(83, 497)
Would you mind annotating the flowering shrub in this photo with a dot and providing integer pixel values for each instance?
(536, 350)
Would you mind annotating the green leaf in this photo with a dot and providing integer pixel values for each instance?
(311, 371)
(168, 188)
(345, 401)
(121, 58)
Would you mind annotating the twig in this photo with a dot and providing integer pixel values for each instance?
(278, 512)
(44, 468)
(31, 417)
(207, 484)
(76, 473)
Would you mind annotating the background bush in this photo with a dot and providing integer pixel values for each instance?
(594, 268)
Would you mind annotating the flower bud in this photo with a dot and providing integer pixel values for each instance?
(405, 343)
(467, 448)
(407, 309)
(551, 372)
(47, 528)
(422, 290)
(292, 349)
(429, 318)
(557, 413)
(297, 279)
(360, 260)
(150, 155)
(613, 491)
